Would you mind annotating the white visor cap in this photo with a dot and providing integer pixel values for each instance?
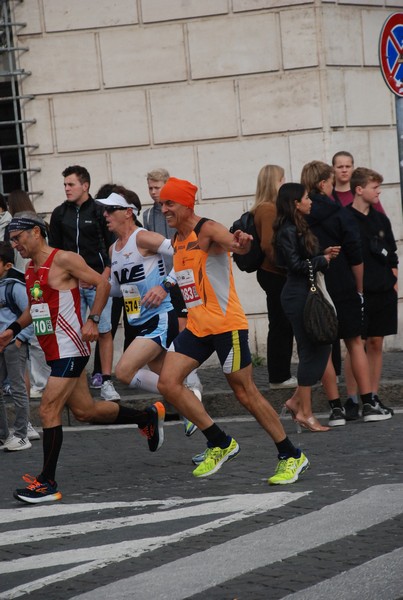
(118, 201)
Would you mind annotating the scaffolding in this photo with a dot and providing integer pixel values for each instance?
(13, 166)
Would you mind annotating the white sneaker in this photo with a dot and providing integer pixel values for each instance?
(283, 385)
(4, 441)
(108, 391)
(14, 443)
(35, 393)
(32, 434)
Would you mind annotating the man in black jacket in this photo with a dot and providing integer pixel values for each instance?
(78, 225)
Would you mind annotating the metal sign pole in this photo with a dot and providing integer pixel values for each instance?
(399, 127)
(391, 63)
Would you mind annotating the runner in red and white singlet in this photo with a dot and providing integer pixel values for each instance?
(65, 314)
(52, 281)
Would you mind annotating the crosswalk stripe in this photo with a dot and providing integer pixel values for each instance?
(256, 550)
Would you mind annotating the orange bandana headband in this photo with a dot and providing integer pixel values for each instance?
(180, 191)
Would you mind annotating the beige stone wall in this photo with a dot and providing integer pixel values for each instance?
(211, 90)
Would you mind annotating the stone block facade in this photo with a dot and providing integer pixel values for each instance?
(211, 90)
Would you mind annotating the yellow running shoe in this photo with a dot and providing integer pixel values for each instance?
(215, 458)
(289, 469)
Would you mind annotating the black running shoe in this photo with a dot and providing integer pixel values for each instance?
(383, 406)
(376, 412)
(37, 492)
(154, 430)
(337, 417)
(351, 409)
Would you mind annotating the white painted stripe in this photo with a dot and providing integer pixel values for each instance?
(100, 556)
(242, 504)
(256, 550)
(55, 510)
(376, 579)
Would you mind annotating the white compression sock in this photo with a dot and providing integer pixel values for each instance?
(193, 381)
(145, 380)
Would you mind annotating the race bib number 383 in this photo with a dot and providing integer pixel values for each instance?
(188, 288)
(41, 320)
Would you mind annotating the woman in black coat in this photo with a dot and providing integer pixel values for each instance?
(294, 243)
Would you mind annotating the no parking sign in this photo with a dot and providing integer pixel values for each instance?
(391, 53)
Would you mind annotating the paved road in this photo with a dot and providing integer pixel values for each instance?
(135, 525)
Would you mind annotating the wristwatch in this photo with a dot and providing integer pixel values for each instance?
(167, 285)
(95, 318)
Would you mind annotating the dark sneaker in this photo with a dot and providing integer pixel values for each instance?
(383, 406)
(337, 417)
(154, 430)
(376, 412)
(37, 492)
(351, 409)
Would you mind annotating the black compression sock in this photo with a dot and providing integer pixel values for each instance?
(128, 416)
(286, 449)
(52, 443)
(216, 437)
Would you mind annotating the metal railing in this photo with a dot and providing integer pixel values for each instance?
(13, 149)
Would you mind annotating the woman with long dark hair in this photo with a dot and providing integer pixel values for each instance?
(294, 243)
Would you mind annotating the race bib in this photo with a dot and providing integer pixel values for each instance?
(187, 286)
(41, 320)
(132, 301)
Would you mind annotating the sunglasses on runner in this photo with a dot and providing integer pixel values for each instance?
(111, 209)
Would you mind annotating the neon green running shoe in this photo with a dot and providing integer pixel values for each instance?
(289, 469)
(215, 458)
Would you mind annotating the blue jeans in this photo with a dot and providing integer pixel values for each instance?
(87, 296)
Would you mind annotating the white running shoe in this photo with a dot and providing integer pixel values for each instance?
(14, 443)
(32, 434)
(35, 393)
(285, 385)
(108, 392)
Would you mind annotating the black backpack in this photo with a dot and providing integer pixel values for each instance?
(251, 261)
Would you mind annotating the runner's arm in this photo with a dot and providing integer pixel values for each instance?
(154, 242)
(215, 234)
(78, 269)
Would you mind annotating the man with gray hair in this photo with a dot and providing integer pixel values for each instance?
(52, 282)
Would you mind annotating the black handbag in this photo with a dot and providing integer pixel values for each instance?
(320, 319)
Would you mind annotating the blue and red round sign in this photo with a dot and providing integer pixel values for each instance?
(391, 53)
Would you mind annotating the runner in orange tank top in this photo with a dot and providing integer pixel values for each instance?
(212, 296)
(216, 323)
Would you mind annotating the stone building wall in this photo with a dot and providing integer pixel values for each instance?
(211, 90)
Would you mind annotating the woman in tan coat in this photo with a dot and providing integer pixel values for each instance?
(272, 279)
